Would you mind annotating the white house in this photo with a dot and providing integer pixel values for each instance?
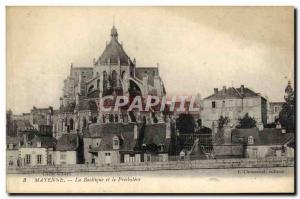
(36, 149)
(233, 103)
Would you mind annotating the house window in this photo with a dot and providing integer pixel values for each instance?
(107, 154)
(28, 159)
(49, 159)
(250, 140)
(39, 159)
(213, 104)
(63, 155)
(116, 142)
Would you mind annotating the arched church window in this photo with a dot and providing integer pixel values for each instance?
(123, 74)
(84, 123)
(111, 118)
(114, 78)
(71, 124)
(105, 79)
(98, 83)
(116, 118)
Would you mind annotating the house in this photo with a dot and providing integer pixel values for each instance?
(233, 103)
(274, 109)
(265, 143)
(36, 149)
(12, 151)
(66, 150)
(104, 142)
(113, 143)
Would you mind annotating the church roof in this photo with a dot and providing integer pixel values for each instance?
(114, 51)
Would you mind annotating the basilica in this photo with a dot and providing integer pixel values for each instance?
(118, 135)
(113, 73)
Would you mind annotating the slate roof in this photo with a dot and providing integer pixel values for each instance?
(270, 136)
(107, 131)
(67, 142)
(114, 52)
(154, 134)
(46, 141)
(232, 92)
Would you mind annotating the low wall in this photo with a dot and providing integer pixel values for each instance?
(151, 166)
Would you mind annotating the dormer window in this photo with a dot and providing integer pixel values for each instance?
(39, 144)
(250, 140)
(116, 142)
(161, 147)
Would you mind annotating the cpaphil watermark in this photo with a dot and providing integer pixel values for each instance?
(181, 104)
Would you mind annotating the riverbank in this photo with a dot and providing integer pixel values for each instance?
(154, 166)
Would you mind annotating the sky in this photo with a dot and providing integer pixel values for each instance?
(197, 49)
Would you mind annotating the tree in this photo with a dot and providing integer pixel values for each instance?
(223, 121)
(185, 123)
(246, 122)
(287, 114)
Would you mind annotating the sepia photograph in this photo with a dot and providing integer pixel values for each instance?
(156, 99)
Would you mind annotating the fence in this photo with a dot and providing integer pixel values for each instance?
(169, 165)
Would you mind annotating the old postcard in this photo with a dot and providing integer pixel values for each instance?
(150, 100)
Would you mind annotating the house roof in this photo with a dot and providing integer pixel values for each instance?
(232, 92)
(269, 136)
(114, 52)
(14, 141)
(154, 134)
(46, 141)
(67, 142)
(108, 130)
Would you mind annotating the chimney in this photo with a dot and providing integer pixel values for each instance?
(242, 89)
(215, 90)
